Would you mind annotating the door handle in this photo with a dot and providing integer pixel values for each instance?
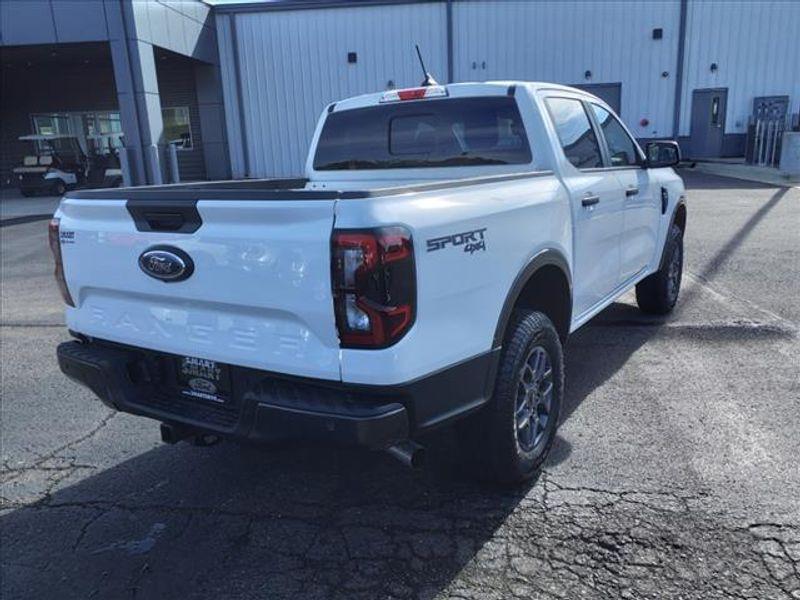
(590, 200)
(631, 191)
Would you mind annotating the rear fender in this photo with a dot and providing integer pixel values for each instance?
(544, 258)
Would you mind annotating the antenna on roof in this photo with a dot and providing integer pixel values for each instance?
(429, 80)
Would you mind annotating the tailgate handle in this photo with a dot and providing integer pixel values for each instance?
(164, 221)
(173, 216)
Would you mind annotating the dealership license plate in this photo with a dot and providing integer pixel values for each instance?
(204, 379)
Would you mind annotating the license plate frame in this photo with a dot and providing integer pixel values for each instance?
(203, 379)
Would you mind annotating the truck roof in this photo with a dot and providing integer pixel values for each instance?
(455, 90)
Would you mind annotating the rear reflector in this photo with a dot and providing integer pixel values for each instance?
(55, 247)
(432, 91)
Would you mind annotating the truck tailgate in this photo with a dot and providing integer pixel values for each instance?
(259, 295)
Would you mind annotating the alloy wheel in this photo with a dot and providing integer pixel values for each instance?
(532, 414)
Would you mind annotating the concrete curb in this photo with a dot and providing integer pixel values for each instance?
(24, 219)
(748, 173)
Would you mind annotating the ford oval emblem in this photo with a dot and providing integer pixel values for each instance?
(166, 263)
(202, 385)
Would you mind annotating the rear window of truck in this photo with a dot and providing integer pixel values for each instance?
(426, 133)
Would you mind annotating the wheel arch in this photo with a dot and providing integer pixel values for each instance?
(548, 270)
(678, 218)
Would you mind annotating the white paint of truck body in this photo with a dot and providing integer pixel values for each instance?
(261, 293)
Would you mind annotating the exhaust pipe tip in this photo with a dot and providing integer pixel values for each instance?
(409, 453)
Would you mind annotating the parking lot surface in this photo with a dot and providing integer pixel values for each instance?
(675, 472)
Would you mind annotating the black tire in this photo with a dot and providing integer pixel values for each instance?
(59, 188)
(491, 439)
(657, 293)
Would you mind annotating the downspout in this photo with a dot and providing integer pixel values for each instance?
(676, 122)
(449, 41)
(237, 69)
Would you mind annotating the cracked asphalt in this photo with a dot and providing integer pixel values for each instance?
(675, 473)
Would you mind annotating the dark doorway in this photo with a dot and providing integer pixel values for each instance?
(708, 122)
(61, 88)
(610, 93)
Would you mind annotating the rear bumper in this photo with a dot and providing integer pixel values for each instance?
(267, 406)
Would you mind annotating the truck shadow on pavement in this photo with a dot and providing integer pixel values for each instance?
(287, 522)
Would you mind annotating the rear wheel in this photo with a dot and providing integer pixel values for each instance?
(658, 293)
(59, 187)
(510, 438)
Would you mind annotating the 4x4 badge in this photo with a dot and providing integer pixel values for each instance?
(472, 241)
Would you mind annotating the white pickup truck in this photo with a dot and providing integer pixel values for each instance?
(444, 243)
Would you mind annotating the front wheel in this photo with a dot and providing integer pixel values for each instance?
(657, 293)
(510, 438)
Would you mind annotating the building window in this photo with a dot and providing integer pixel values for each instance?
(177, 127)
(98, 133)
(715, 110)
(52, 124)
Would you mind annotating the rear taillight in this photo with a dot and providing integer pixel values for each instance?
(374, 285)
(55, 248)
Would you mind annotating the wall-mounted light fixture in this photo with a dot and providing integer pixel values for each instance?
(714, 67)
(665, 74)
(352, 58)
(658, 33)
(587, 74)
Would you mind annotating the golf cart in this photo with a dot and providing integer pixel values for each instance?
(105, 170)
(58, 162)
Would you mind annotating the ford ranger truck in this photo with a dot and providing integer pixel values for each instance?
(428, 269)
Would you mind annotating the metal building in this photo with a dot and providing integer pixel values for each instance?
(690, 69)
(123, 76)
(239, 85)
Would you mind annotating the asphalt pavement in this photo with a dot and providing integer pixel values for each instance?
(675, 473)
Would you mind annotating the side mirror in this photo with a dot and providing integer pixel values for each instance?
(662, 154)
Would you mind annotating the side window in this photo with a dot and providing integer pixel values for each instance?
(575, 132)
(620, 145)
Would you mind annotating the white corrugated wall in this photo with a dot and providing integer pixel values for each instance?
(560, 41)
(294, 63)
(756, 46)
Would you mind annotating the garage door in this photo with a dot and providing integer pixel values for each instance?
(610, 93)
(292, 64)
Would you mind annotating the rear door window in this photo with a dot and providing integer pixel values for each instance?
(427, 133)
(575, 132)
